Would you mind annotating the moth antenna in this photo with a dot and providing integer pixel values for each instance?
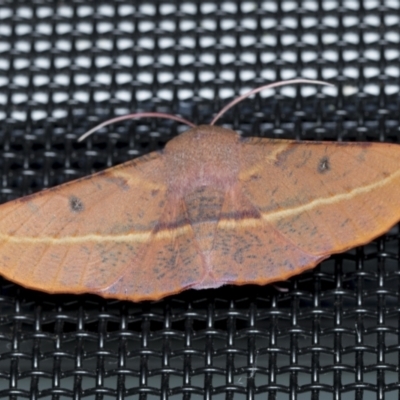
(261, 88)
(135, 115)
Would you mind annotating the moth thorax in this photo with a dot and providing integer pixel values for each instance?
(195, 158)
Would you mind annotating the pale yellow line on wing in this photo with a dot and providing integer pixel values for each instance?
(289, 212)
(225, 224)
(128, 238)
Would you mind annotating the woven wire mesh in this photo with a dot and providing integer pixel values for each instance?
(66, 66)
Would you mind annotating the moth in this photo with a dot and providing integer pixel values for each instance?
(211, 208)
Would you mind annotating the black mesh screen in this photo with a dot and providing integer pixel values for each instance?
(65, 66)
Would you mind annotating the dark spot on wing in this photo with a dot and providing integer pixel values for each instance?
(75, 204)
(324, 165)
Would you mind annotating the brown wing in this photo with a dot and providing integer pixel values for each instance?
(103, 234)
(300, 202)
